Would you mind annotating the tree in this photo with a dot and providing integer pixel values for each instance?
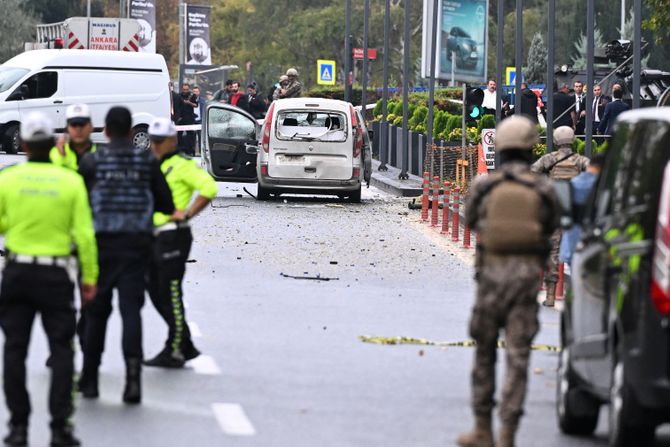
(579, 60)
(17, 27)
(537, 60)
(659, 20)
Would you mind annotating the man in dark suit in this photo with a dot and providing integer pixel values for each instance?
(579, 99)
(598, 106)
(612, 111)
(562, 103)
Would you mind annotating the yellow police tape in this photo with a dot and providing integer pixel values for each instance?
(421, 341)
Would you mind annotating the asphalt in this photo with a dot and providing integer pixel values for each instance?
(284, 365)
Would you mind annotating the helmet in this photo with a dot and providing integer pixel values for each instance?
(516, 132)
(291, 72)
(283, 78)
(564, 136)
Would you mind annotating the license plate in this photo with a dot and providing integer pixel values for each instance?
(291, 159)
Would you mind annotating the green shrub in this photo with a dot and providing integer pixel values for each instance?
(418, 117)
(455, 122)
(486, 122)
(378, 108)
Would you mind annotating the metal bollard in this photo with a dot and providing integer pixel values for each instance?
(446, 196)
(455, 216)
(424, 197)
(436, 201)
(560, 287)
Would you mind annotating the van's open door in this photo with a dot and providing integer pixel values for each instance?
(226, 132)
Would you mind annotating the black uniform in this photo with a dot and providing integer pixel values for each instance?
(125, 187)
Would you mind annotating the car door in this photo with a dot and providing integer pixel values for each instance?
(367, 150)
(226, 132)
(43, 92)
(595, 270)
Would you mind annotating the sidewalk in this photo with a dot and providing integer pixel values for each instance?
(389, 182)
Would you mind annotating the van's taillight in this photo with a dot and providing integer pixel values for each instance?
(660, 271)
(356, 173)
(265, 143)
(358, 142)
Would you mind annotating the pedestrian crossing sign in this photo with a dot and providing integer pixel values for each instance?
(325, 72)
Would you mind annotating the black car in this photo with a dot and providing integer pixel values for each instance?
(226, 132)
(458, 41)
(615, 328)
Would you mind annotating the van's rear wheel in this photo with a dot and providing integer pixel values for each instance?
(576, 410)
(262, 193)
(626, 425)
(141, 137)
(355, 196)
(10, 140)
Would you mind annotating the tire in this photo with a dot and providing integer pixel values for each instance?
(355, 196)
(626, 428)
(141, 137)
(576, 410)
(262, 193)
(10, 140)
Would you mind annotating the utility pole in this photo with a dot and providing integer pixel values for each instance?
(405, 100)
(347, 52)
(364, 83)
(383, 149)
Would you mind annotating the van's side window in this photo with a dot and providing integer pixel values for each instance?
(653, 150)
(41, 85)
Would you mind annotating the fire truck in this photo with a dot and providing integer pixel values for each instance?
(92, 33)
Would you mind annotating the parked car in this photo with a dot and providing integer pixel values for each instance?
(226, 132)
(50, 80)
(458, 41)
(311, 146)
(615, 330)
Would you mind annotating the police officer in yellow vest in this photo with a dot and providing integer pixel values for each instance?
(43, 210)
(173, 241)
(79, 128)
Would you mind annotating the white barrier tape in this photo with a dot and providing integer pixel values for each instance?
(189, 127)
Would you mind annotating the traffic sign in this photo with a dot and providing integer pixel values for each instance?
(372, 53)
(325, 72)
(488, 145)
(510, 75)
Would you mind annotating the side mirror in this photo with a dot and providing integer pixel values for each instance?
(251, 149)
(563, 193)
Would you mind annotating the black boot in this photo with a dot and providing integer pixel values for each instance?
(167, 359)
(63, 436)
(88, 382)
(190, 351)
(133, 392)
(17, 436)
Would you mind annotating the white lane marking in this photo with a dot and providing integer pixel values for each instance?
(204, 364)
(233, 420)
(195, 329)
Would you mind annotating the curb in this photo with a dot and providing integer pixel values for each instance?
(388, 181)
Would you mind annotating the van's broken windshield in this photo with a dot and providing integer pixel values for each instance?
(312, 126)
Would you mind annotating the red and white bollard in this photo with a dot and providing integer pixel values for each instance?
(466, 237)
(436, 201)
(446, 196)
(455, 215)
(560, 287)
(424, 197)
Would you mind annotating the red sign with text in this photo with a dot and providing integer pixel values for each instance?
(372, 53)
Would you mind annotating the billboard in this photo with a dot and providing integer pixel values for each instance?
(198, 51)
(462, 39)
(144, 11)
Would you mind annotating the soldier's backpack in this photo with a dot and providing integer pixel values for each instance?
(513, 222)
(564, 168)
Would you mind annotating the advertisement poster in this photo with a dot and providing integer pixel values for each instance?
(462, 40)
(198, 51)
(144, 11)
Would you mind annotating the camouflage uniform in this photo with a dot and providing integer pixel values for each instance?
(293, 89)
(544, 166)
(506, 299)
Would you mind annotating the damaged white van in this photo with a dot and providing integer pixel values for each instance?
(311, 146)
